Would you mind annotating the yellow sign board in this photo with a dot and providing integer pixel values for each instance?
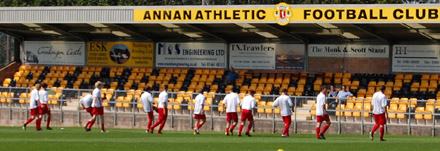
(121, 53)
(283, 14)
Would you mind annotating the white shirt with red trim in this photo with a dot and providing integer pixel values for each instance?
(231, 100)
(285, 104)
(200, 101)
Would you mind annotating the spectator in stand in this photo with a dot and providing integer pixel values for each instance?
(232, 75)
(333, 92)
(343, 95)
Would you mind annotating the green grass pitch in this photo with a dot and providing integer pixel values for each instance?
(14, 138)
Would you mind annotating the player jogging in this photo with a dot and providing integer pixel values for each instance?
(86, 103)
(33, 106)
(163, 110)
(321, 114)
(199, 113)
(247, 105)
(43, 108)
(285, 104)
(97, 108)
(147, 101)
(231, 101)
(379, 102)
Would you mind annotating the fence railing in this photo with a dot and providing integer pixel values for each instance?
(74, 95)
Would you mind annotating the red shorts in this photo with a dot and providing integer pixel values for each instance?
(287, 119)
(199, 116)
(44, 110)
(98, 111)
(34, 112)
(322, 118)
(161, 115)
(380, 119)
(89, 110)
(246, 114)
(231, 116)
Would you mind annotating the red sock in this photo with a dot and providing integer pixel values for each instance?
(162, 124)
(199, 125)
(324, 129)
(249, 127)
(28, 121)
(155, 124)
(91, 124)
(102, 127)
(374, 128)
(317, 132)
(38, 123)
(240, 129)
(232, 127)
(48, 121)
(87, 124)
(149, 124)
(227, 130)
(286, 130)
(381, 132)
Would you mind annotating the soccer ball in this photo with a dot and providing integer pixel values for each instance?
(280, 149)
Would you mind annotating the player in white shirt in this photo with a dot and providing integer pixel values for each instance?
(231, 101)
(86, 103)
(43, 108)
(33, 106)
(379, 103)
(98, 109)
(163, 110)
(247, 105)
(285, 104)
(199, 113)
(147, 101)
(321, 113)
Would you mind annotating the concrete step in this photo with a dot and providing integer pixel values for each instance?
(303, 117)
(72, 104)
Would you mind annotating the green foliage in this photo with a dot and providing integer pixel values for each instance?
(22, 3)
